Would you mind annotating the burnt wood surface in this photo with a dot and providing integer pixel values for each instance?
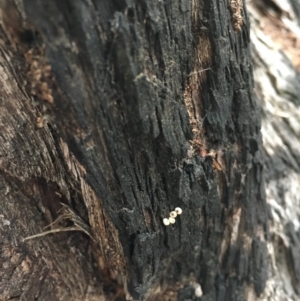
(113, 113)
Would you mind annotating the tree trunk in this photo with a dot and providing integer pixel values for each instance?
(276, 57)
(114, 113)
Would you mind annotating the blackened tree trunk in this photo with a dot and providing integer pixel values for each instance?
(112, 114)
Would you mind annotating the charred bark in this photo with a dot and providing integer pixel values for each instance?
(113, 113)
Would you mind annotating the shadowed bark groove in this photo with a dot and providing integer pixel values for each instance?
(119, 112)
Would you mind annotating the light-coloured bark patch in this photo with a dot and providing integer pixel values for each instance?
(193, 90)
(236, 8)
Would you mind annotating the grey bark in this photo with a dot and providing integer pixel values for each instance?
(275, 38)
(113, 113)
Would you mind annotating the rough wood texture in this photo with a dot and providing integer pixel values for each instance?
(149, 107)
(276, 56)
(33, 181)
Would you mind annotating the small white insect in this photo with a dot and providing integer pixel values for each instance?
(173, 214)
(172, 220)
(178, 210)
(166, 221)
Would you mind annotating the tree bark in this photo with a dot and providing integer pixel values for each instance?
(276, 57)
(112, 114)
